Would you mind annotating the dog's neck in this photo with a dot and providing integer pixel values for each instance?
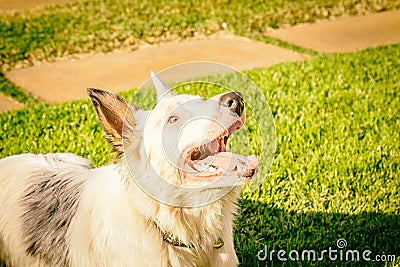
(172, 240)
(200, 228)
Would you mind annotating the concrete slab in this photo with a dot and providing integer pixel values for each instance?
(7, 104)
(118, 71)
(346, 34)
(6, 5)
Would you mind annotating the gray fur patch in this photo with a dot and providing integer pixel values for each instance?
(50, 203)
(2, 252)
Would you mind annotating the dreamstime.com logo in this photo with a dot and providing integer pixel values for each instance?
(337, 253)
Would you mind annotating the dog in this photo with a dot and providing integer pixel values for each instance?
(169, 198)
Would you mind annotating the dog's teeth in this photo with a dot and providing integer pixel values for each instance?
(239, 168)
(196, 166)
(200, 167)
(203, 168)
(212, 169)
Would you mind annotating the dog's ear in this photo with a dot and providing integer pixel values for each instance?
(163, 90)
(115, 114)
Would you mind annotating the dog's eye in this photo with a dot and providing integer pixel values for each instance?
(173, 119)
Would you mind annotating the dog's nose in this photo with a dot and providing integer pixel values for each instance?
(234, 101)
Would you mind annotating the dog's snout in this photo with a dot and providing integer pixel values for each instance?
(234, 101)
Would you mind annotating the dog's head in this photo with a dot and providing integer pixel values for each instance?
(183, 139)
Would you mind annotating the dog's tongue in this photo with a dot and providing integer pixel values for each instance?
(229, 162)
(235, 162)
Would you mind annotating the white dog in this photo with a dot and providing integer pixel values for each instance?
(168, 200)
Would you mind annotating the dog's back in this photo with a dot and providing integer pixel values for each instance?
(55, 210)
(35, 190)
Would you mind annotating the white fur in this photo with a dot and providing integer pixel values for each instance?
(111, 226)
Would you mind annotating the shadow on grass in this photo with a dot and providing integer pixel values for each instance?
(259, 226)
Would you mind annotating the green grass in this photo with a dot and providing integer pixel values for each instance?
(336, 172)
(336, 169)
(16, 93)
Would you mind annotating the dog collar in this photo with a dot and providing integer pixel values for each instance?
(174, 241)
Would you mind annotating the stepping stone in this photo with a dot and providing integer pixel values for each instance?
(346, 34)
(25, 4)
(7, 104)
(119, 71)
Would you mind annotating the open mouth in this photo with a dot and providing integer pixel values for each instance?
(211, 161)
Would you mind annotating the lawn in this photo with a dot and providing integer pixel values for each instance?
(336, 168)
(336, 172)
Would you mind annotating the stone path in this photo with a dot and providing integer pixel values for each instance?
(7, 104)
(346, 34)
(119, 71)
